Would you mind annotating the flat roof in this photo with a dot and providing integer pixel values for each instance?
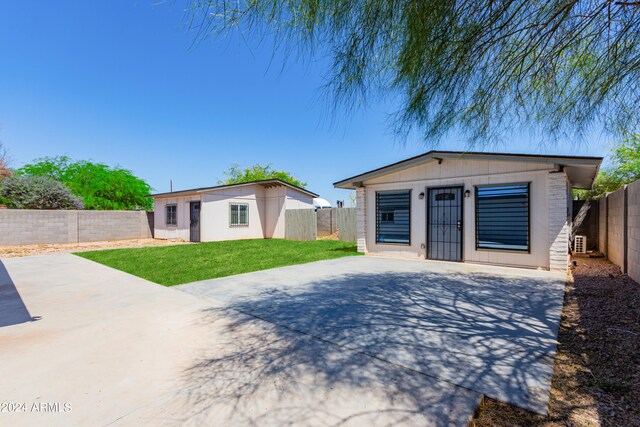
(264, 182)
(582, 162)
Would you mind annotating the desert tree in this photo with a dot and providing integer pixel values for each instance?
(482, 67)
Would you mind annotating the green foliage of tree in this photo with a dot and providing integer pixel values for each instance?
(97, 184)
(626, 160)
(624, 169)
(481, 66)
(236, 175)
(36, 192)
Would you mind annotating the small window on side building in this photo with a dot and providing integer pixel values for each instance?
(239, 214)
(172, 215)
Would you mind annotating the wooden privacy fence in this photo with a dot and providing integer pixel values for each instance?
(347, 224)
(300, 224)
(307, 224)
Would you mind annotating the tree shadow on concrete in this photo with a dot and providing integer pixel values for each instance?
(13, 311)
(597, 367)
(422, 344)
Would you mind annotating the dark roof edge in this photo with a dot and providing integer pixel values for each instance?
(219, 187)
(474, 153)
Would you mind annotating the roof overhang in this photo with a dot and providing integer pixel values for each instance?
(581, 170)
(267, 183)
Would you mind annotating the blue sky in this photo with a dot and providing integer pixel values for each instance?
(119, 82)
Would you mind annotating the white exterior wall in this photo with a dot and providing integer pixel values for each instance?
(275, 200)
(266, 213)
(215, 214)
(467, 173)
(179, 231)
(297, 200)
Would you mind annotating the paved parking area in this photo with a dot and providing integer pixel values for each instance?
(83, 344)
(480, 329)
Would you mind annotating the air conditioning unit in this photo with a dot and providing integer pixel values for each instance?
(580, 245)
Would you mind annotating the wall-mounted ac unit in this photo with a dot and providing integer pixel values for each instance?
(580, 245)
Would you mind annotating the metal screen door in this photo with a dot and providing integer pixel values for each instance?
(444, 223)
(194, 228)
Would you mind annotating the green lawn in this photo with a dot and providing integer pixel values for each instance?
(174, 265)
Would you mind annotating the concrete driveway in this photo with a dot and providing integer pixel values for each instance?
(83, 344)
(480, 329)
(355, 341)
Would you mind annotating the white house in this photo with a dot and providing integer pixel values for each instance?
(493, 208)
(251, 210)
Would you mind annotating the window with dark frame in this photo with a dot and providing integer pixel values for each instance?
(502, 217)
(172, 215)
(393, 217)
(239, 214)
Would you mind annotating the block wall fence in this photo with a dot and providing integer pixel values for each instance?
(619, 228)
(29, 227)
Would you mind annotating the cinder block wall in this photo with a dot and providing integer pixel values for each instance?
(615, 228)
(361, 219)
(559, 219)
(327, 221)
(27, 227)
(602, 225)
(633, 230)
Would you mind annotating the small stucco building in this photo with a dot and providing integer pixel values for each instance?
(492, 208)
(251, 210)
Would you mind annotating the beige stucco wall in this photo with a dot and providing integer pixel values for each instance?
(266, 213)
(467, 173)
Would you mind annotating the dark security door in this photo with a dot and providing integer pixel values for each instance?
(194, 234)
(444, 223)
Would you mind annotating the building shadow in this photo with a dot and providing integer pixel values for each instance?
(426, 337)
(12, 309)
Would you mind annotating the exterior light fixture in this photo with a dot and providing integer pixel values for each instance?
(421, 196)
(467, 193)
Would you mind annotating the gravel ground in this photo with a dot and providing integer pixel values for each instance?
(596, 379)
(26, 250)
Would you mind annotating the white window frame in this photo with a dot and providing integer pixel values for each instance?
(166, 215)
(239, 224)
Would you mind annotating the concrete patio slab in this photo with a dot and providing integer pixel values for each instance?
(488, 329)
(89, 345)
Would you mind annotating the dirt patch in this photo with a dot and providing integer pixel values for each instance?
(596, 378)
(26, 250)
(332, 236)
